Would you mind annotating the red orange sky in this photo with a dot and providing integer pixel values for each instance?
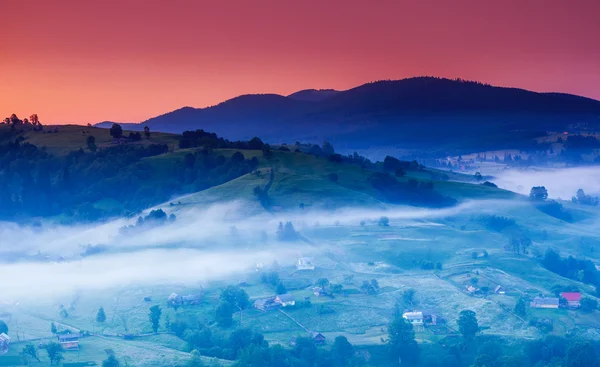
(87, 61)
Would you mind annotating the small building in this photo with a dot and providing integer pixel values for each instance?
(320, 292)
(544, 302)
(266, 304)
(472, 289)
(285, 300)
(69, 341)
(292, 341)
(318, 338)
(415, 318)
(499, 289)
(573, 299)
(192, 299)
(4, 343)
(305, 263)
(175, 299)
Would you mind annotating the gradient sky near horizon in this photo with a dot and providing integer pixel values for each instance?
(89, 61)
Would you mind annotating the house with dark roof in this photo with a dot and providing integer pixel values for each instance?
(573, 299)
(266, 304)
(318, 338)
(544, 302)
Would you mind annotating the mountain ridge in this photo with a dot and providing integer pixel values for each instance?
(420, 111)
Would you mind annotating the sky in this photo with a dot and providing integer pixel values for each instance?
(128, 60)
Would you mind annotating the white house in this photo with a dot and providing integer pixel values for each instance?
(285, 300)
(305, 263)
(415, 318)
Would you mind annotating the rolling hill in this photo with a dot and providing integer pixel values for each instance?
(445, 115)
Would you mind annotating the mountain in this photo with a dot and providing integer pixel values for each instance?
(417, 113)
(313, 95)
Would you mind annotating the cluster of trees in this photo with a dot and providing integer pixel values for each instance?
(578, 145)
(411, 192)
(287, 232)
(583, 199)
(33, 122)
(35, 183)
(398, 167)
(581, 270)
(155, 218)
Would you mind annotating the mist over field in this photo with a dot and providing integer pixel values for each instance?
(561, 183)
(201, 245)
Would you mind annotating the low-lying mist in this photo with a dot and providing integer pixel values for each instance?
(561, 183)
(201, 245)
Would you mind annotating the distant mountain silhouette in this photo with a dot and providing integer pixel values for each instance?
(313, 95)
(416, 112)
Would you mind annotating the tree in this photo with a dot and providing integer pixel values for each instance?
(342, 351)
(327, 148)
(101, 316)
(54, 351)
(478, 176)
(224, 314)
(280, 289)
(236, 296)
(588, 304)
(111, 361)
(474, 255)
(195, 360)
(538, 193)
(384, 221)
(91, 143)
(53, 328)
(401, 341)
(467, 324)
(155, 313)
(3, 327)
(322, 282)
(521, 307)
(30, 350)
(116, 131)
(409, 296)
(147, 132)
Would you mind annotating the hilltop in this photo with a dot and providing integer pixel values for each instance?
(449, 116)
(122, 177)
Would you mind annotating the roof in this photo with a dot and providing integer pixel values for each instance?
(545, 301)
(68, 336)
(571, 296)
(316, 335)
(413, 315)
(4, 337)
(285, 297)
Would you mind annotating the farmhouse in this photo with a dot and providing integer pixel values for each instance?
(544, 302)
(285, 300)
(266, 304)
(415, 318)
(69, 341)
(4, 342)
(573, 299)
(318, 338)
(305, 263)
(175, 299)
